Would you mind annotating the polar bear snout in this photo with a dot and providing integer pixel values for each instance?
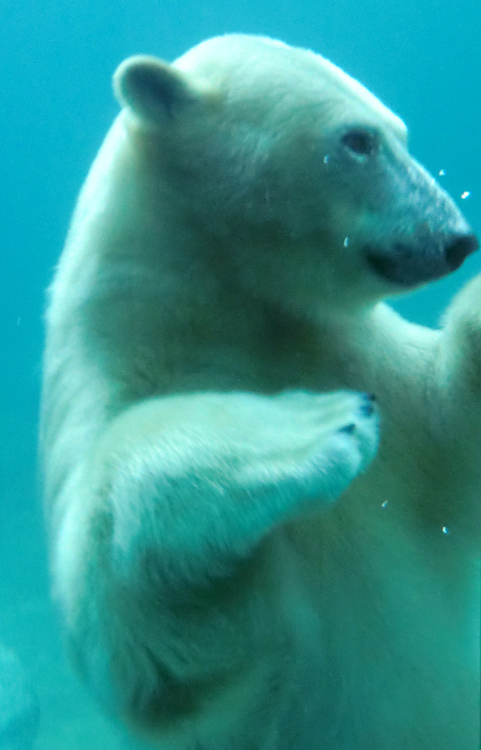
(422, 257)
(431, 237)
(415, 262)
(459, 248)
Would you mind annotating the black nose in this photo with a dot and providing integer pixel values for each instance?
(458, 249)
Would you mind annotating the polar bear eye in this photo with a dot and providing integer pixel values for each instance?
(361, 142)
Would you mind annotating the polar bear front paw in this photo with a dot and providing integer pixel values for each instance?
(310, 446)
(347, 442)
(353, 446)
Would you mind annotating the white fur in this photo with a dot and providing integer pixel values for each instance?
(215, 593)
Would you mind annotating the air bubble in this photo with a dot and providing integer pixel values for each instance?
(346, 242)
(442, 172)
(465, 195)
(326, 159)
(445, 530)
(384, 504)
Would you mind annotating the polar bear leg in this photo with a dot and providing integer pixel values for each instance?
(152, 566)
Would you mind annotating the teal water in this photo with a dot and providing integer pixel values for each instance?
(421, 57)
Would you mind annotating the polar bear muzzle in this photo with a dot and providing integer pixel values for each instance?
(423, 259)
(431, 237)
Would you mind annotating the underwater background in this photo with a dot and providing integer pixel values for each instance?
(420, 57)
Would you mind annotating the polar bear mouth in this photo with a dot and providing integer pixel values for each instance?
(409, 266)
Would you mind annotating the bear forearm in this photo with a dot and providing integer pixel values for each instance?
(460, 355)
(194, 483)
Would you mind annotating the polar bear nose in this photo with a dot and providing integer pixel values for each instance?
(458, 249)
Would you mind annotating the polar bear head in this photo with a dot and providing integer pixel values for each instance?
(293, 169)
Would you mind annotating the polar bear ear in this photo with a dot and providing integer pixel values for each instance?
(152, 89)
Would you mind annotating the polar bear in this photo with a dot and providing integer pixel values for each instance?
(236, 568)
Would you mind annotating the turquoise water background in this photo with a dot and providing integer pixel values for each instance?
(421, 57)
